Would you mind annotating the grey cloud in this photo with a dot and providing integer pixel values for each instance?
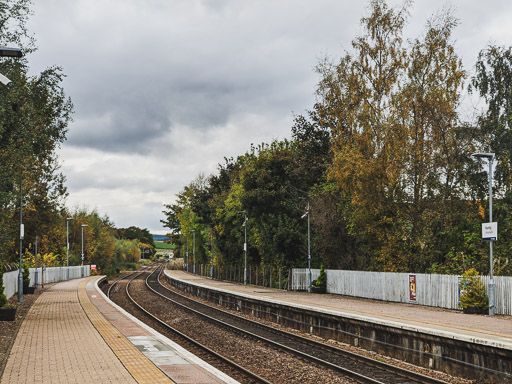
(175, 80)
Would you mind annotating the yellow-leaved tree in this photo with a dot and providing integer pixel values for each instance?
(397, 143)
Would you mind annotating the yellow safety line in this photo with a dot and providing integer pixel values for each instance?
(140, 367)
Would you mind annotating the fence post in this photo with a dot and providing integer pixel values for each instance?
(279, 278)
(270, 283)
(264, 276)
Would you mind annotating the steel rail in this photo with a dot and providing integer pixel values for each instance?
(251, 375)
(116, 281)
(314, 345)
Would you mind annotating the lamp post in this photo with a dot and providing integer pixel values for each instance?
(68, 219)
(82, 227)
(309, 246)
(35, 272)
(211, 266)
(22, 235)
(490, 158)
(16, 52)
(245, 245)
(194, 250)
(186, 252)
(9, 52)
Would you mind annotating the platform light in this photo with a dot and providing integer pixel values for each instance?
(490, 158)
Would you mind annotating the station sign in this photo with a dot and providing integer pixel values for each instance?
(490, 231)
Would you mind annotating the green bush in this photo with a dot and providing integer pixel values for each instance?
(3, 298)
(26, 274)
(472, 291)
(321, 282)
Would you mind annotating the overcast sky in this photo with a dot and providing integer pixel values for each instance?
(165, 89)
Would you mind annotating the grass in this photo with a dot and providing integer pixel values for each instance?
(162, 245)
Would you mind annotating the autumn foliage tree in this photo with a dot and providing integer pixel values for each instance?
(399, 148)
(383, 158)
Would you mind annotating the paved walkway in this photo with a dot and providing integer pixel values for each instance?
(495, 331)
(74, 334)
(57, 343)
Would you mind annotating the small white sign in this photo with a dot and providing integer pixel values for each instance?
(490, 231)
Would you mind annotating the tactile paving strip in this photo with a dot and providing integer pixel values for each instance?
(140, 367)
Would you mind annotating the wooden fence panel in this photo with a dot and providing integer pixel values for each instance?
(431, 290)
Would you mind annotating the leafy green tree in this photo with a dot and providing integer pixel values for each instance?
(34, 114)
(492, 81)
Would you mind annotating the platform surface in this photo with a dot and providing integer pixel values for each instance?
(74, 334)
(493, 331)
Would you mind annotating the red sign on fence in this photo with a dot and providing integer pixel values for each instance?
(412, 287)
(93, 267)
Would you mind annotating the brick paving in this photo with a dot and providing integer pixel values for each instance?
(141, 368)
(58, 344)
(71, 334)
(180, 366)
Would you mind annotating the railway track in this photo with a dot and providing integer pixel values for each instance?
(358, 368)
(120, 288)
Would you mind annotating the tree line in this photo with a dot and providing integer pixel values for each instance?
(34, 117)
(383, 160)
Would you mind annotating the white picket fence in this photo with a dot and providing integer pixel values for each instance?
(50, 275)
(432, 290)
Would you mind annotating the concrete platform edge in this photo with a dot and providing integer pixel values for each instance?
(182, 351)
(367, 318)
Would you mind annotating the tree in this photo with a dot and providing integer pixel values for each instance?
(397, 142)
(493, 82)
(34, 114)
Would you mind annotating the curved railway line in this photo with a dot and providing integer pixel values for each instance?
(121, 287)
(349, 367)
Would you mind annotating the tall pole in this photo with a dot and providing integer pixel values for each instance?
(67, 246)
(492, 301)
(35, 272)
(20, 272)
(186, 252)
(309, 246)
(309, 252)
(491, 283)
(245, 245)
(16, 52)
(194, 249)
(211, 266)
(82, 227)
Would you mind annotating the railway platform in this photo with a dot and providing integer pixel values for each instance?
(493, 331)
(446, 340)
(74, 334)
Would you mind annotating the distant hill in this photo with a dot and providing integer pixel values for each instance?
(160, 238)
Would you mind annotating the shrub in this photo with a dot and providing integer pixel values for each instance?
(321, 282)
(472, 291)
(26, 274)
(3, 298)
